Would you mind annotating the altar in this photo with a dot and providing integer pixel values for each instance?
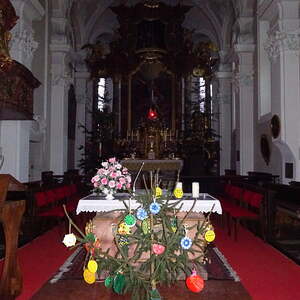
(94, 203)
(133, 165)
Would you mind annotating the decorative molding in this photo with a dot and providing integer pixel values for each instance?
(282, 41)
(23, 46)
(242, 79)
(61, 80)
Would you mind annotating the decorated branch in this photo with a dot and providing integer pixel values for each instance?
(153, 245)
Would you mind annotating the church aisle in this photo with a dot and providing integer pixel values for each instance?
(263, 270)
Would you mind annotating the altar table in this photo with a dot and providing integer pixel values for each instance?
(94, 203)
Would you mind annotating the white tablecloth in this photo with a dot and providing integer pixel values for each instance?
(92, 203)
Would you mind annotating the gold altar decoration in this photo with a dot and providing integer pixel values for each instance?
(8, 20)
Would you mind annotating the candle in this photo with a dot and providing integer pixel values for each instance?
(195, 189)
(179, 185)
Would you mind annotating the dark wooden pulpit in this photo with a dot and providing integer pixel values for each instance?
(11, 213)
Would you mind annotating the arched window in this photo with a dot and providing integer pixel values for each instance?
(101, 88)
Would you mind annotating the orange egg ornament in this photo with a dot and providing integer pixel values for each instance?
(195, 283)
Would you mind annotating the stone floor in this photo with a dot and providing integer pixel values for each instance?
(78, 289)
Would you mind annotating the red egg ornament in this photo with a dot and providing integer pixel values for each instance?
(195, 283)
(158, 249)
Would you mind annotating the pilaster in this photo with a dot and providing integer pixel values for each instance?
(243, 82)
(224, 99)
(82, 80)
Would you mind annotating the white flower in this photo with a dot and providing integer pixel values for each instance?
(105, 164)
(69, 240)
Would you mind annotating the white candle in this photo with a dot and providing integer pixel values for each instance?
(195, 189)
(179, 185)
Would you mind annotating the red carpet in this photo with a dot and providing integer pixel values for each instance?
(39, 260)
(264, 271)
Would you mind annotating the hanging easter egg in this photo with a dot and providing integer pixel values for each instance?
(154, 208)
(109, 282)
(154, 295)
(158, 192)
(141, 214)
(88, 276)
(119, 283)
(130, 220)
(178, 193)
(146, 226)
(123, 229)
(97, 244)
(92, 266)
(158, 249)
(209, 236)
(174, 224)
(186, 243)
(123, 241)
(195, 283)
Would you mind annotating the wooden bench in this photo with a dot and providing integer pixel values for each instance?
(243, 202)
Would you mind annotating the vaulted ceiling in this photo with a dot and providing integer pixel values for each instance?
(92, 19)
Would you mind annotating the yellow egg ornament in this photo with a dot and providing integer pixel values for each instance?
(158, 192)
(178, 193)
(88, 276)
(92, 266)
(210, 236)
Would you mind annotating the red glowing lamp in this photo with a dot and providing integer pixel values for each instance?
(152, 114)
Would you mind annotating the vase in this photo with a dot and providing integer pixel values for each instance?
(109, 194)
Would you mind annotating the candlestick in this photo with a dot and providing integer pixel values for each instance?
(195, 189)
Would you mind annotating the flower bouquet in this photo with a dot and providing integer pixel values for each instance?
(112, 177)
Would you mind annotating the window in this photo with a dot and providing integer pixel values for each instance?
(202, 94)
(101, 93)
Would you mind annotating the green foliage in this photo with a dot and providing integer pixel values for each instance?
(140, 268)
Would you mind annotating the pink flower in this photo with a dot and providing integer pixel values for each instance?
(119, 173)
(119, 186)
(112, 169)
(105, 172)
(100, 171)
(125, 171)
(128, 178)
(96, 184)
(104, 181)
(112, 184)
(113, 174)
(112, 160)
(118, 166)
(122, 180)
(128, 185)
(95, 179)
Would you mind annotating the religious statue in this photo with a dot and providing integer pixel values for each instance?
(8, 19)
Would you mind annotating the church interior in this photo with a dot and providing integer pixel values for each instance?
(196, 97)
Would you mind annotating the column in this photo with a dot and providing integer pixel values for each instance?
(15, 148)
(81, 87)
(289, 81)
(244, 89)
(225, 129)
(59, 109)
